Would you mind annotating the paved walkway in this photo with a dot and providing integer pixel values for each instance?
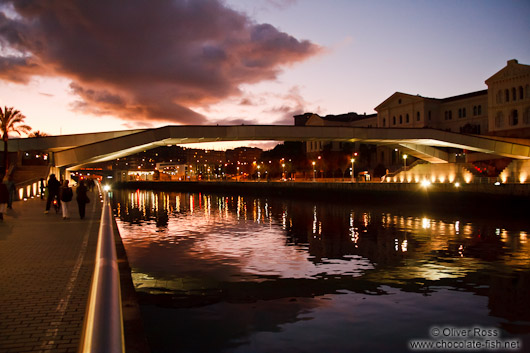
(46, 264)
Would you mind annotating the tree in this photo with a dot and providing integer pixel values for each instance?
(11, 120)
(37, 133)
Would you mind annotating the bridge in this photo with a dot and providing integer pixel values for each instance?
(74, 151)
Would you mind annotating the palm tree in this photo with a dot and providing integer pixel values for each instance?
(11, 120)
(37, 133)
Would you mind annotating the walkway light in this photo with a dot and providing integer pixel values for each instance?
(405, 161)
(314, 170)
(352, 169)
(425, 183)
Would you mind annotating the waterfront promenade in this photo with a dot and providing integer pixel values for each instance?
(46, 264)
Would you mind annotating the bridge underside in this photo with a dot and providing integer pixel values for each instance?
(73, 151)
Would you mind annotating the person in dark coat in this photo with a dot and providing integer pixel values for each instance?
(66, 195)
(53, 191)
(82, 198)
(11, 189)
(4, 198)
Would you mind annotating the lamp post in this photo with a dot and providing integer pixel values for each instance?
(352, 169)
(259, 175)
(405, 161)
(283, 171)
(314, 170)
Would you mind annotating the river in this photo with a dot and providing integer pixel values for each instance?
(234, 273)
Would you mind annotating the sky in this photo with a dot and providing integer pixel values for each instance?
(102, 65)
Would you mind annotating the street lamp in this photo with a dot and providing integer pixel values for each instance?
(352, 169)
(259, 175)
(283, 172)
(314, 170)
(405, 161)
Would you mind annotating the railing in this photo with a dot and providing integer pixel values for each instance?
(103, 328)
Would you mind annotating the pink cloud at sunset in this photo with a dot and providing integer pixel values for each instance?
(141, 60)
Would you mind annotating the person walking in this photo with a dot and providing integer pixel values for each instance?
(53, 191)
(82, 198)
(11, 190)
(65, 195)
(4, 198)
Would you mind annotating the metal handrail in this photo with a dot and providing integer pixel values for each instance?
(103, 328)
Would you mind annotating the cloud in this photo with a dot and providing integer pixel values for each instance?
(292, 104)
(143, 60)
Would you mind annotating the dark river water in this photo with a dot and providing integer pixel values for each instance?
(253, 274)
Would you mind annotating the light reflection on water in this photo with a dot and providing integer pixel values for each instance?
(247, 271)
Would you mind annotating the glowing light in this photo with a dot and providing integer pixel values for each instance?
(425, 183)
(497, 183)
(404, 245)
(457, 184)
(522, 178)
(425, 223)
(106, 188)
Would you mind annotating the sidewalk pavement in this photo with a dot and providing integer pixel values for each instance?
(46, 264)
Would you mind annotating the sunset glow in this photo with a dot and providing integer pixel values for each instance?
(255, 62)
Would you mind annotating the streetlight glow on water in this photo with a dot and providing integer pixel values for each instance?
(234, 273)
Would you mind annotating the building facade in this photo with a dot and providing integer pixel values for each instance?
(503, 109)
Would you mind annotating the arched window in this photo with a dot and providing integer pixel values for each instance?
(384, 122)
(514, 93)
(393, 120)
(474, 110)
(527, 91)
(507, 95)
(464, 112)
(450, 115)
(514, 117)
(479, 110)
(499, 120)
(407, 118)
(417, 116)
(521, 93)
(400, 119)
(499, 97)
(459, 113)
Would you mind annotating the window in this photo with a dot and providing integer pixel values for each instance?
(399, 101)
(514, 94)
(507, 95)
(527, 91)
(429, 115)
(450, 115)
(417, 116)
(499, 97)
(474, 110)
(499, 120)
(407, 119)
(514, 117)
(463, 112)
(521, 93)
(459, 113)
(479, 110)
(384, 122)
(400, 119)
(393, 120)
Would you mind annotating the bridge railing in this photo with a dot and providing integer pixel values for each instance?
(103, 327)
